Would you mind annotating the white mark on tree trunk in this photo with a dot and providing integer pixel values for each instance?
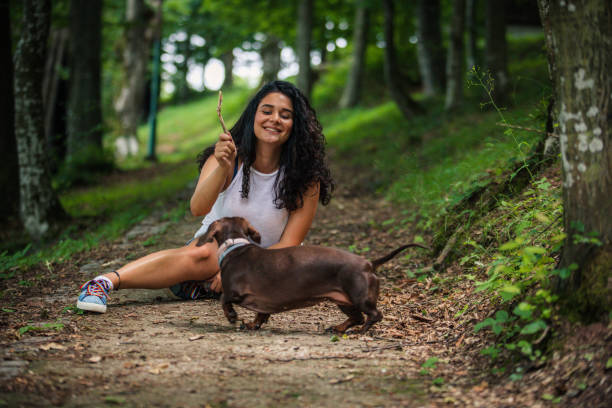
(571, 7)
(565, 116)
(593, 111)
(567, 166)
(596, 145)
(583, 144)
(597, 131)
(580, 127)
(580, 82)
(582, 167)
(569, 179)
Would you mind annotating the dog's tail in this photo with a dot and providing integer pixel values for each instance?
(393, 253)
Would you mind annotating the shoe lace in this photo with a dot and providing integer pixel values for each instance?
(96, 288)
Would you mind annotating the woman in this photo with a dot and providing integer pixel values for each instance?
(269, 169)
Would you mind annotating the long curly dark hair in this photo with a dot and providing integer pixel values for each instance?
(302, 162)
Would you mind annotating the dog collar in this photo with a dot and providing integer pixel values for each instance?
(228, 246)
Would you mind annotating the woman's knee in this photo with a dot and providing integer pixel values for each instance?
(199, 254)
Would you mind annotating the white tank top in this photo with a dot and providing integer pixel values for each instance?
(259, 208)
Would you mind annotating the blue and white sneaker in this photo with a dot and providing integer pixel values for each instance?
(192, 290)
(93, 296)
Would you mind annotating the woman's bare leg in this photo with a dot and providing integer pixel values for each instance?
(168, 267)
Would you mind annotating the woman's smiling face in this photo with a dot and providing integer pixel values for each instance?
(274, 119)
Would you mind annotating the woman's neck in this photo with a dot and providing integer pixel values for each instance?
(266, 160)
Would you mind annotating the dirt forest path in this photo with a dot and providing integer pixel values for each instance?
(151, 349)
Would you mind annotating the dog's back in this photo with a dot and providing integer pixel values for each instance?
(276, 280)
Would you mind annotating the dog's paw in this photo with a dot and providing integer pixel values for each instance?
(252, 326)
(339, 329)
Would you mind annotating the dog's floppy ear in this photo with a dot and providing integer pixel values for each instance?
(252, 232)
(210, 234)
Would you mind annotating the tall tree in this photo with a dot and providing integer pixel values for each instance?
(496, 57)
(578, 38)
(54, 95)
(350, 96)
(40, 209)
(185, 50)
(270, 55)
(228, 62)
(472, 33)
(140, 24)
(430, 47)
(9, 181)
(84, 121)
(393, 76)
(455, 66)
(304, 37)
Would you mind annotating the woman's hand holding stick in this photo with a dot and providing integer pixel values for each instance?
(225, 150)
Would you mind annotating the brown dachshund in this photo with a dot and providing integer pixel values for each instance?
(276, 280)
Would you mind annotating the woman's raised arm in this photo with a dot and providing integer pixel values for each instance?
(215, 176)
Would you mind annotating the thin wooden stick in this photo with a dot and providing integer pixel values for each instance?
(421, 318)
(288, 360)
(525, 128)
(219, 113)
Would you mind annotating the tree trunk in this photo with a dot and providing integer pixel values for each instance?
(9, 177)
(496, 50)
(55, 97)
(228, 62)
(350, 96)
(56, 57)
(430, 48)
(472, 33)
(270, 55)
(578, 38)
(40, 209)
(395, 83)
(130, 105)
(182, 85)
(304, 36)
(456, 58)
(84, 111)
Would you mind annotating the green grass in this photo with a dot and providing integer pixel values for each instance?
(184, 130)
(116, 198)
(430, 161)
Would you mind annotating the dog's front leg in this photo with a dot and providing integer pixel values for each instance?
(228, 308)
(260, 319)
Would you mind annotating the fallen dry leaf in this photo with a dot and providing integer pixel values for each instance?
(341, 380)
(52, 346)
(158, 369)
(196, 337)
(95, 359)
(480, 387)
